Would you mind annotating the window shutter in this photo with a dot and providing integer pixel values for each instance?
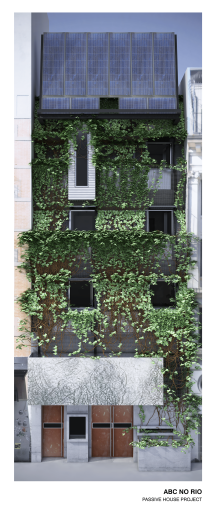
(71, 172)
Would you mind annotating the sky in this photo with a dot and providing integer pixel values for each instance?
(187, 26)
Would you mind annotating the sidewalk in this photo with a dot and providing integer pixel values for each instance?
(111, 470)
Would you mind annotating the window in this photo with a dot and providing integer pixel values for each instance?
(81, 293)
(20, 388)
(107, 103)
(83, 219)
(163, 292)
(77, 427)
(159, 151)
(81, 159)
(160, 220)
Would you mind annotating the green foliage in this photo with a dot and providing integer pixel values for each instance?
(126, 261)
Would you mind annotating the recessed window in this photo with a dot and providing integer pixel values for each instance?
(163, 292)
(81, 294)
(109, 103)
(160, 220)
(20, 389)
(77, 427)
(81, 159)
(83, 220)
(159, 151)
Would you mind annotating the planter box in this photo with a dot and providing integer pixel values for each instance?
(164, 458)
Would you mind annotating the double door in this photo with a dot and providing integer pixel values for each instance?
(108, 424)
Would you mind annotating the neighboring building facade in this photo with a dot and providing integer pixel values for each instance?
(28, 28)
(191, 89)
(96, 76)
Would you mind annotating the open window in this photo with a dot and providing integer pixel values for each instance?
(82, 219)
(81, 293)
(160, 220)
(163, 293)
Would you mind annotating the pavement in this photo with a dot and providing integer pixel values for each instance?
(97, 470)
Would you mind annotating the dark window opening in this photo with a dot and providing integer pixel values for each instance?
(81, 159)
(160, 220)
(109, 103)
(156, 431)
(83, 220)
(77, 427)
(159, 152)
(122, 425)
(20, 388)
(163, 292)
(80, 294)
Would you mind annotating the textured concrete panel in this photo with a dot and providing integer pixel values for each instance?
(164, 458)
(109, 381)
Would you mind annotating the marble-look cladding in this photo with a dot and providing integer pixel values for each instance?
(110, 381)
(164, 458)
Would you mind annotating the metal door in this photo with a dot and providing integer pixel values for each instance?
(108, 424)
(52, 431)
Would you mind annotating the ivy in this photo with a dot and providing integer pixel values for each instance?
(125, 263)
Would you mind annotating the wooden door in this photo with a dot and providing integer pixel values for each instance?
(52, 431)
(108, 424)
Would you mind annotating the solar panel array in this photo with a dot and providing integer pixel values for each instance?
(138, 68)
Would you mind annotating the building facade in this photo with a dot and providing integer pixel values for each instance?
(106, 254)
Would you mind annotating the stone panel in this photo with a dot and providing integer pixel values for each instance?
(22, 129)
(22, 154)
(22, 216)
(22, 183)
(20, 282)
(164, 458)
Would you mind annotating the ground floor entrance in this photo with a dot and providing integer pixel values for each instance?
(52, 431)
(107, 426)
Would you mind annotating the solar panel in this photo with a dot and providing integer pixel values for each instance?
(97, 64)
(84, 102)
(120, 64)
(164, 64)
(56, 103)
(132, 102)
(137, 68)
(162, 103)
(142, 69)
(75, 64)
(53, 64)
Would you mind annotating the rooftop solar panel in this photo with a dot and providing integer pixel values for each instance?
(133, 103)
(80, 68)
(142, 69)
(75, 64)
(164, 64)
(53, 64)
(56, 103)
(120, 64)
(84, 102)
(97, 66)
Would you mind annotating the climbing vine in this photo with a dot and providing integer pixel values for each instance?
(125, 261)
